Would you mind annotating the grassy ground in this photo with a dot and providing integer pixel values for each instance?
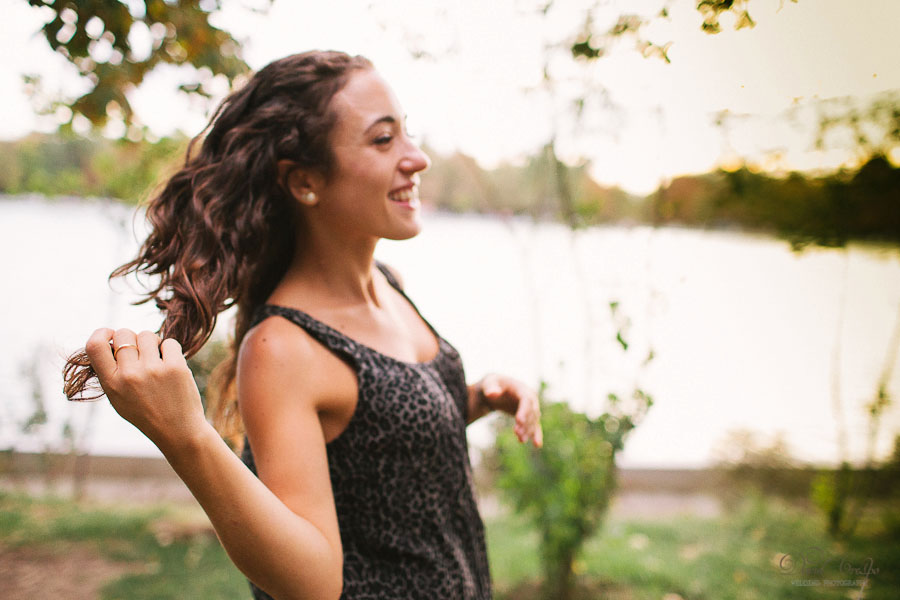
(764, 549)
(169, 552)
(156, 553)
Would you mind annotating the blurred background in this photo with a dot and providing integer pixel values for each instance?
(678, 219)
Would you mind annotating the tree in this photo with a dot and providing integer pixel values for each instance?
(114, 44)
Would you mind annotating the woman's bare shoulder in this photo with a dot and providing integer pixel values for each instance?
(277, 359)
(273, 343)
(279, 363)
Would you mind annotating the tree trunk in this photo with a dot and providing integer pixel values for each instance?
(560, 583)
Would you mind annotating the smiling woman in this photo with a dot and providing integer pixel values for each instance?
(350, 407)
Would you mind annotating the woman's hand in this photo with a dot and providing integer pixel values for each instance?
(498, 392)
(148, 383)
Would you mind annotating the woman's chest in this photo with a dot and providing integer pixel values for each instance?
(409, 409)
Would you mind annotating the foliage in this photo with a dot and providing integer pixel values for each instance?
(592, 43)
(114, 45)
(457, 183)
(565, 488)
(34, 424)
(747, 462)
(873, 128)
(827, 211)
(80, 166)
(843, 495)
(105, 43)
(831, 494)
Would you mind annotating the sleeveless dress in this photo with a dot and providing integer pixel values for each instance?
(401, 475)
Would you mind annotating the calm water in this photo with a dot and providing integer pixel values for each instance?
(743, 331)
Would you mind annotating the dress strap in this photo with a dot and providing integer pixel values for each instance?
(345, 347)
(389, 275)
(396, 285)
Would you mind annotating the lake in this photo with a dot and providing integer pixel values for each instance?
(745, 334)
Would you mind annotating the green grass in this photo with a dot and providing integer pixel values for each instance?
(735, 556)
(193, 565)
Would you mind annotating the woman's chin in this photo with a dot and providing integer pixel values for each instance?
(407, 231)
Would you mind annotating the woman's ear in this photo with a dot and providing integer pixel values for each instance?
(297, 182)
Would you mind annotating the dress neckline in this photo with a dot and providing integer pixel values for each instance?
(333, 331)
(326, 328)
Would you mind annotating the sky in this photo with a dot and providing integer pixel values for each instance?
(480, 93)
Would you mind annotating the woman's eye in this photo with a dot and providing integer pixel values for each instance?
(383, 139)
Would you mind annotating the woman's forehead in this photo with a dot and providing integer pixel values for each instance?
(365, 100)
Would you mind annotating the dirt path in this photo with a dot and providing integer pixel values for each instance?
(70, 571)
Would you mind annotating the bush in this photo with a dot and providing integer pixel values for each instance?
(565, 488)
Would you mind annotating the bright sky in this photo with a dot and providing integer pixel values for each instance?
(473, 97)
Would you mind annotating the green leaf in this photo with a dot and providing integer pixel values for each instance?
(621, 340)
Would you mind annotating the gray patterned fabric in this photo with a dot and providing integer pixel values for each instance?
(401, 475)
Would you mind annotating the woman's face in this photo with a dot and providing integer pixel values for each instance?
(373, 189)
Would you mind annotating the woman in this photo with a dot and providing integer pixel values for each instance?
(353, 407)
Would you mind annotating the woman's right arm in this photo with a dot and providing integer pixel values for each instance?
(287, 544)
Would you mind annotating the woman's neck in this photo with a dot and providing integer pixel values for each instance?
(333, 272)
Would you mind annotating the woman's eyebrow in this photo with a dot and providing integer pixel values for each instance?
(384, 119)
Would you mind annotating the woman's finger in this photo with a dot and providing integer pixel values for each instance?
(148, 347)
(528, 411)
(528, 420)
(100, 353)
(125, 348)
(171, 353)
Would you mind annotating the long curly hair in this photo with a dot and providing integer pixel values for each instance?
(223, 226)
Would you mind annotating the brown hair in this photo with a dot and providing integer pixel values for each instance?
(223, 225)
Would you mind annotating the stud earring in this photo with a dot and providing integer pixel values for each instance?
(309, 198)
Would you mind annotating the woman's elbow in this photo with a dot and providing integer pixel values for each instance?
(330, 591)
(316, 584)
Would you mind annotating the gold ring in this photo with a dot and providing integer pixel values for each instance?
(116, 352)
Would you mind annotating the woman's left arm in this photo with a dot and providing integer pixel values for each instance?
(498, 392)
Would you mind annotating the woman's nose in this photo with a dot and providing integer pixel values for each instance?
(415, 160)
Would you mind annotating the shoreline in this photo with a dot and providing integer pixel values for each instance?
(641, 492)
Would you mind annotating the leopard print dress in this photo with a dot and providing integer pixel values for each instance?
(401, 475)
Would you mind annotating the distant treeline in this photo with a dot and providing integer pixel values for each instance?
(830, 210)
(76, 166)
(827, 210)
